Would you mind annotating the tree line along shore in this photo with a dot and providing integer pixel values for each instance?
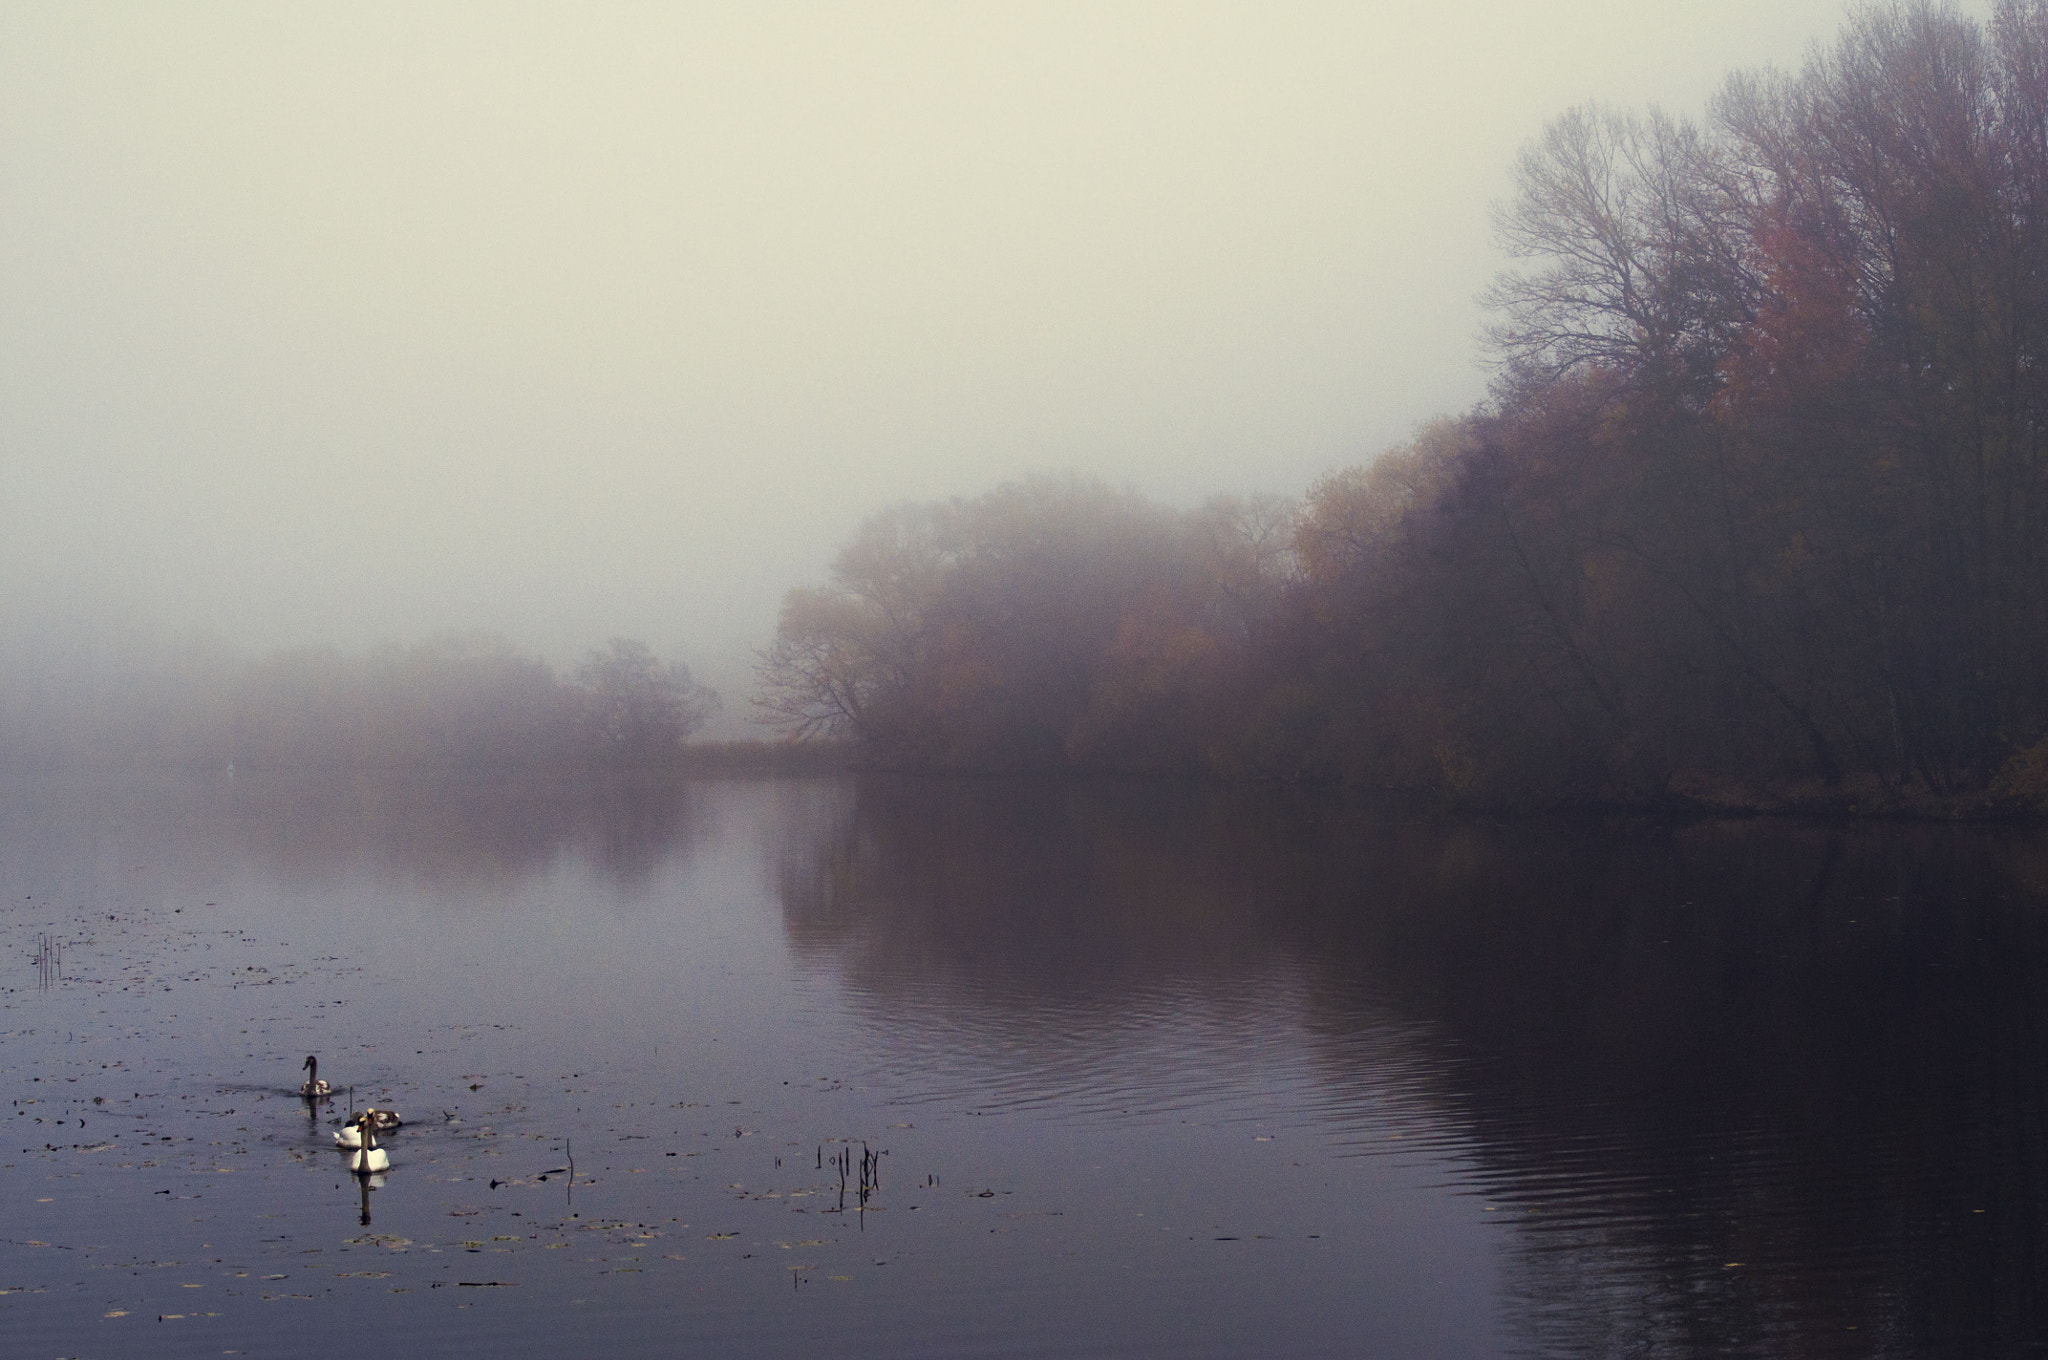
(1752, 519)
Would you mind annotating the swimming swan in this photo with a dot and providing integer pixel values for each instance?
(351, 1136)
(369, 1157)
(313, 1085)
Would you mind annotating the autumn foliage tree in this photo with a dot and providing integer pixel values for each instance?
(1756, 511)
(1760, 495)
(1053, 623)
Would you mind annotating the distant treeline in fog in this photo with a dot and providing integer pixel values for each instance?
(1754, 516)
(454, 702)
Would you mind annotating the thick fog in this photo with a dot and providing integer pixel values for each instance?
(351, 323)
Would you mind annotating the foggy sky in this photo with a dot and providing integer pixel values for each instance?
(350, 323)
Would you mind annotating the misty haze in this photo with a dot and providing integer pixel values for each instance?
(1123, 679)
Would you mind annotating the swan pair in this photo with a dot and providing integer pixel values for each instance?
(351, 1135)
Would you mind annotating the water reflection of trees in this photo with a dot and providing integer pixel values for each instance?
(1034, 889)
(1813, 1050)
(470, 831)
(447, 832)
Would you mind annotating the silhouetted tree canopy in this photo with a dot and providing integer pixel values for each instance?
(1754, 516)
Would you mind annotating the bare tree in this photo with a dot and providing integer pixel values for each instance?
(1631, 234)
(637, 706)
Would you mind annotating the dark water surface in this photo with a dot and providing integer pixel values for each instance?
(1145, 1071)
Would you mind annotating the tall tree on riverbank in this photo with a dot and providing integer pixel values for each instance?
(1814, 329)
(1761, 493)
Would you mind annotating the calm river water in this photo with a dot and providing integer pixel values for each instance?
(1137, 1070)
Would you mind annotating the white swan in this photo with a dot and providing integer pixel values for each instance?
(369, 1157)
(313, 1085)
(351, 1135)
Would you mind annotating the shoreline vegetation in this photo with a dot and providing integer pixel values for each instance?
(456, 703)
(1754, 521)
(1755, 518)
